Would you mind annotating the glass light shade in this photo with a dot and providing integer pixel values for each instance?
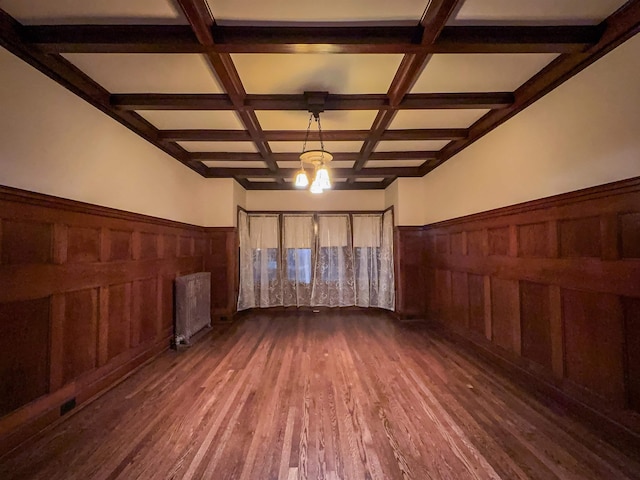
(315, 186)
(301, 180)
(322, 177)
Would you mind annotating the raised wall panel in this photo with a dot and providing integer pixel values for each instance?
(535, 321)
(170, 246)
(475, 243)
(24, 361)
(443, 294)
(25, 242)
(119, 245)
(79, 333)
(476, 302)
(580, 237)
(498, 241)
(459, 299)
(630, 235)
(119, 307)
(184, 247)
(632, 338)
(83, 244)
(442, 243)
(167, 303)
(533, 240)
(200, 246)
(148, 245)
(505, 314)
(410, 283)
(594, 342)
(147, 309)
(457, 243)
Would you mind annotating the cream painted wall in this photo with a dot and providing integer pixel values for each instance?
(584, 133)
(53, 142)
(405, 194)
(304, 201)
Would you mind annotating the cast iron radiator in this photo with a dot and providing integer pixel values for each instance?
(193, 305)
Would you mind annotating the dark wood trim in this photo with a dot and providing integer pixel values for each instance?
(219, 101)
(617, 29)
(337, 38)
(335, 186)
(601, 419)
(335, 172)
(294, 157)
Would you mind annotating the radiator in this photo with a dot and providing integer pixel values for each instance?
(193, 305)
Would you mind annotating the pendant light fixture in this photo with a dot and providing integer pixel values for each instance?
(316, 159)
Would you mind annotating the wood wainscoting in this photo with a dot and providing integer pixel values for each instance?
(550, 288)
(86, 296)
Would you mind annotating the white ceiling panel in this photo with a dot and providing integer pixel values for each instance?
(296, 147)
(522, 12)
(43, 12)
(149, 73)
(328, 11)
(461, 118)
(246, 147)
(491, 72)
(334, 164)
(288, 164)
(408, 145)
(192, 119)
(233, 164)
(393, 163)
(296, 73)
(330, 120)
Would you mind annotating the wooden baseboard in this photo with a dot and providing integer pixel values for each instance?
(604, 422)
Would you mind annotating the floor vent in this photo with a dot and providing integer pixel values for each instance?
(67, 406)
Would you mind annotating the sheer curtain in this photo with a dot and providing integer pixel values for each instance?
(334, 281)
(260, 262)
(373, 254)
(297, 258)
(314, 260)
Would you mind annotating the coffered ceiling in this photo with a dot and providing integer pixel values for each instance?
(220, 84)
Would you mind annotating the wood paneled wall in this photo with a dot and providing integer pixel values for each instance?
(86, 295)
(551, 286)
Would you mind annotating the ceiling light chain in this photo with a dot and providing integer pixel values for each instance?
(317, 158)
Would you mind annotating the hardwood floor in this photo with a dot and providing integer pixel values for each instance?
(329, 395)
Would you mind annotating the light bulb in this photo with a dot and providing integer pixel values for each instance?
(315, 186)
(301, 180)
(322, 177)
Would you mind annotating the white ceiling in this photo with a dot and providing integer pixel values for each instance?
(150, 73)
(307, 11)
(393, 163)
(247, 147)
(34, 12)
(533, 11)
(330, 119)
(479, 72)
(453, 118)
(408, 145)
(193, 119)
(296, 147)
(296, 73)
(233, 164)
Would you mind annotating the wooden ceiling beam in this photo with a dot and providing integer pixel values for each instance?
(300, 135)
(338, 38)
(295, 157)
(617, 28)
(201, 21)
(66, 74)
(335, 186)
(433, 21)
(335, 172)
(217, 101)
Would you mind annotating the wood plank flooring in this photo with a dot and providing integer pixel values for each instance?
(318, 396)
